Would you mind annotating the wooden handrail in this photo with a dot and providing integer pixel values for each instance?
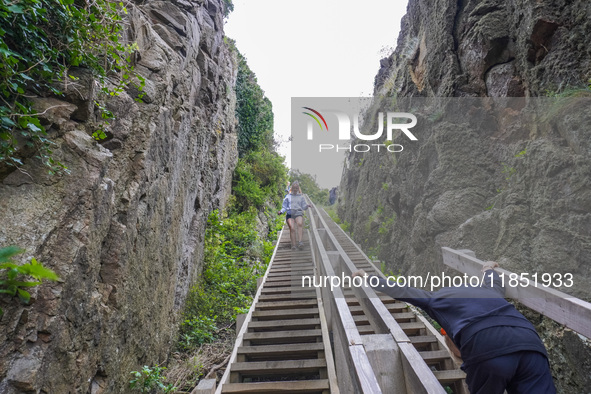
(572, 312)
(418, 373)
(342, 320)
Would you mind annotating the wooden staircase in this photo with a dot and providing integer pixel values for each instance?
(285, 347)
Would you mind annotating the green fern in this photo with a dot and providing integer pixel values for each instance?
(11, 275)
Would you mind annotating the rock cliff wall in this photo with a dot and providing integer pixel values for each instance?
(469, 188)
(124, 230)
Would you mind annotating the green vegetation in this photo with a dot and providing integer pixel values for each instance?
(571, 91)
(310, 187)
(386, 225)
(508, 170)
(11, 274)
(39, 41)
(386, 271)
(253, 109)
(228, 7)
(374, 218)
(234, 257)
(346, 226)
(150, 379)
(260, 174)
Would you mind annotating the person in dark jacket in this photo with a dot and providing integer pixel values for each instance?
(500, 348)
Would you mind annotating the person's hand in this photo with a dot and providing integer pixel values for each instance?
(490, 265)
(361, 273)
(279, 213)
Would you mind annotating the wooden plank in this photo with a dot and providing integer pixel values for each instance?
(293, 335)
(293, 290)
(434, 356)
(240, 318)
(285, 304)
(284, 348)
(398, 306)
(276, 269)
(449, 376)
(412, 326)
(291, 324)
(205, 386)
(403, 316)
(286, 297)
(383, 354)
(574, 313)
(418, 376)
(365, 375)
(278, 367)
(366, 330)
(423, 339)
(330, 365)
(287, 386)
(296, 313)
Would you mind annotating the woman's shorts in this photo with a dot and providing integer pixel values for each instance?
(288, 216)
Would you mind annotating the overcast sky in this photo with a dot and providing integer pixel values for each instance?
(313, 48)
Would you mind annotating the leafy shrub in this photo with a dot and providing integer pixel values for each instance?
(149, 379)
(39, 41)
(253, 110)
(197, 331)
(11, 274)
(228, 282)
(259, 176)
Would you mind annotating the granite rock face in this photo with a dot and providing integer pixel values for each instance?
(124, 231)
(521, 196)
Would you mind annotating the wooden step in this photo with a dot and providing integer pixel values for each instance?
(296, 283)
(283, 325)
(282, 352)
(277, 337)
(287, 297)
(352, 301)
(274, 290)
(281, 367)
(285, 304)
(366, 330)
(435, 356)
(361, 320)
(308, 270)
(411, 327)
(285, 387)
(394, 307)
(449, 376)
(286, 314)
(285, 277)
(297, 273)
(422, 340)
(292, 263)
(399, 317)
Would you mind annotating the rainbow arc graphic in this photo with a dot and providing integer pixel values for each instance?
(315, 118)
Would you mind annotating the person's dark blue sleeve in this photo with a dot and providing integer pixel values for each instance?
(493, 281)
(412, 295)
